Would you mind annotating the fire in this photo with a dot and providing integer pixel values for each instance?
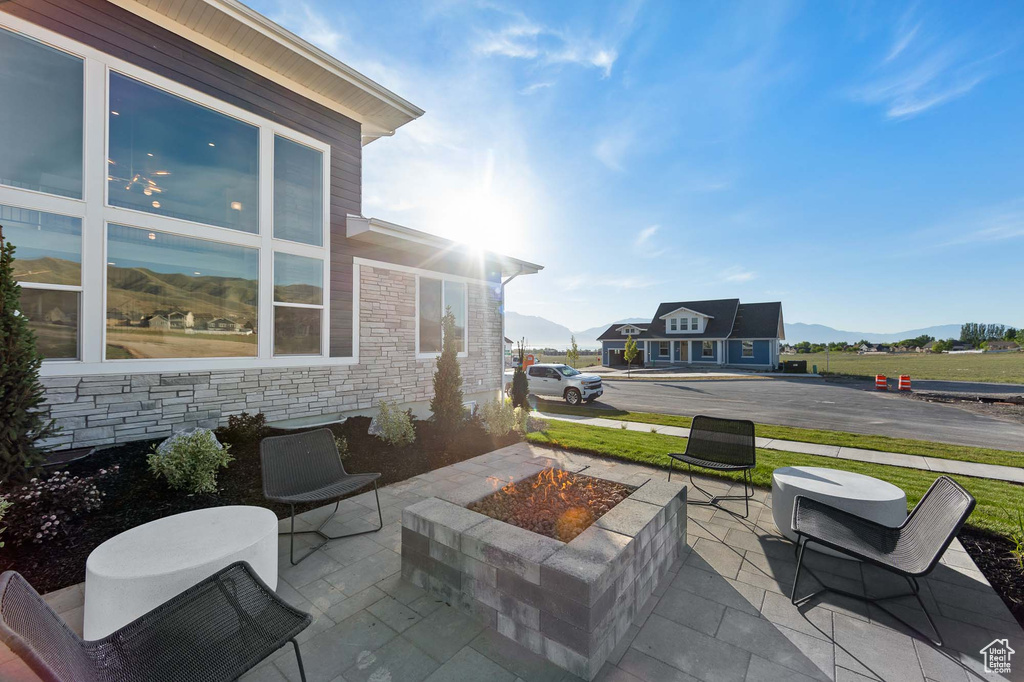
(556, 503)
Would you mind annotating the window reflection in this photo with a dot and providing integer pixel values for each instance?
(430, 315)
(455, 300)
(298, 279)
(41, 107)
(49, 246)
(176, 158)
(53, 316)
(298, 192)
(178, 297)
(296, 331)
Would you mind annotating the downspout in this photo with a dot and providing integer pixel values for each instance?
(501, 340)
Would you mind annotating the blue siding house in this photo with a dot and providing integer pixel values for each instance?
(717, 333)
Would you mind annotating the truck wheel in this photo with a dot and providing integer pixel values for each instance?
(573, 396)
(508, 390)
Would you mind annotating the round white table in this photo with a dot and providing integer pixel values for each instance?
(131, 573)
(880, 501)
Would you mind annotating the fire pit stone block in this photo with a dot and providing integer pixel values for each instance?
(570, 603)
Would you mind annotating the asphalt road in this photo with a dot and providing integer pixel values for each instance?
(816, 403)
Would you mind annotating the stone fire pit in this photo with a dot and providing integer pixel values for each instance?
(569, 602)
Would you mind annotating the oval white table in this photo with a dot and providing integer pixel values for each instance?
(880, 501)
(131, 573)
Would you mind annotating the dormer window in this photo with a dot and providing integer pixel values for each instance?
(672, 324)
(682, 324)
(628, 331)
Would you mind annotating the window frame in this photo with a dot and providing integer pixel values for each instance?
(705, 346)
(95, 213)
(665, 349)
(275, 304)
(442, 277)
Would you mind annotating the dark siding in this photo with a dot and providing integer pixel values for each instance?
(117, 32)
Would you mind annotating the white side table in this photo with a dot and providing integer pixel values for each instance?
(879, 501)
(131, 573)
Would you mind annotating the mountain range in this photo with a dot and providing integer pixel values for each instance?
(542, 333)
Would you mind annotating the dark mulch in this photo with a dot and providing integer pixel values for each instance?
(992, 555)
(134, 496)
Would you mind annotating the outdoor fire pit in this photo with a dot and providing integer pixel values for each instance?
(495, 549)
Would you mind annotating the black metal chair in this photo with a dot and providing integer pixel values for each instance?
(720, 445)
(215, 630)
(302, 468)
(910, 550)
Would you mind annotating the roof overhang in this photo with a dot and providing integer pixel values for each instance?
(249, 39)
(391, 235)
(685, 310)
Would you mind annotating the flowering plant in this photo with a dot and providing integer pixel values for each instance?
(47, 508)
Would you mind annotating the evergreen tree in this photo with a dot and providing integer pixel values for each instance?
(21, 394)
(572, 356)
(447, 401)
(629, 354)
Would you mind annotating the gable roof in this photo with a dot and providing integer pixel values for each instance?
(757, 321)
(721, 312)
(684, 308)
(613, 333)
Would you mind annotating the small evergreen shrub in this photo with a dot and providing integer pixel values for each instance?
(5, 504)
(498, 417)
(449, 413)
(189, 461)
(520, 388)
(47, 508)
(246, 428)
(393, 425)
(341, 443)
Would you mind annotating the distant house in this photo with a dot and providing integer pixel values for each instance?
(873, 348)
(959, 346)
(56, 316)
(222, 324)
(1001, 346)
(157, 322)
(722, 332)
(179, 320)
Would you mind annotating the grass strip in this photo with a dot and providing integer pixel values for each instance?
(996, 499)
(907, 446)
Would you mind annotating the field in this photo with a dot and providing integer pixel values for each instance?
(145, 343)
(585, 360)
(1004, 368)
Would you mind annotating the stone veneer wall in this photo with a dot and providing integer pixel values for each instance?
(570, 603)
(115, 408)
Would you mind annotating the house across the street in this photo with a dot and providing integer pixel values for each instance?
(183, 184)
(722, 332)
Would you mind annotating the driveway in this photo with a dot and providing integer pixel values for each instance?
(816, 404)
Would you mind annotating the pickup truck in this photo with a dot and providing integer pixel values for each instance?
(561, 380)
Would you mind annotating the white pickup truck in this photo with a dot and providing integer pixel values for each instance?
(561, 380)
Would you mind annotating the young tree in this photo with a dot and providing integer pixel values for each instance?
(447, 401)
(629, 354)
(520, 384)
(21, 394)
(572, 356)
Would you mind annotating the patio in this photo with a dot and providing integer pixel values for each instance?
(722, 613)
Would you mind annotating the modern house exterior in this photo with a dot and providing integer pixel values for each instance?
(182, 181)
(721, 332)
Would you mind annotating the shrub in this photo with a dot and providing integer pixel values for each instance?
(46, 508)
(22, 425)
(498, 417)
(5, 504)
(189, 460)
(1017, 535)
(447, 401)
(393, 425)
(520, 388)
(341, 443)
(522, 420)
(246, 428)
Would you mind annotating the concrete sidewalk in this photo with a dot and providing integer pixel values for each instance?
(936, 464)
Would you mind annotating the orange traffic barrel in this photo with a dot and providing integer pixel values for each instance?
(880, 383)
(904, 382)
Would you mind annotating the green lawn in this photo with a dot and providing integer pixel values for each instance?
(1005, 368)
(906, 446)
(995, 498)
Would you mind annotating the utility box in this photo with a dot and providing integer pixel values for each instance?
(794, 367)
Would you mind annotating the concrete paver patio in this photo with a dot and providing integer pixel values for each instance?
(722, 613)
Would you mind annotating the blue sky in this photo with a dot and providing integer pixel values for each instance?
(860, 162)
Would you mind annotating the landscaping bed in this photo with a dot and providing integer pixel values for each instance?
(992, 554)
(133, 496)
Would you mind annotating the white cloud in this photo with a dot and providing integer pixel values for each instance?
(737, 275)
(993, 224)
(527, 40)
(628, 283)
(645, 235)
(612, 148)
(535, 87)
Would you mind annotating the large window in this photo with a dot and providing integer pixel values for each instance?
(298, 192)
(175, 158)
(170, 296)
(747, 349)
(298, 304)
(41, 104)
(435, 296)
(663, 349)
(48, 265)
(707, 349)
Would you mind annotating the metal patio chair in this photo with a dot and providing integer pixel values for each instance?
(216, 630)
(720, 445)
(302, 468)
(911, 550)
